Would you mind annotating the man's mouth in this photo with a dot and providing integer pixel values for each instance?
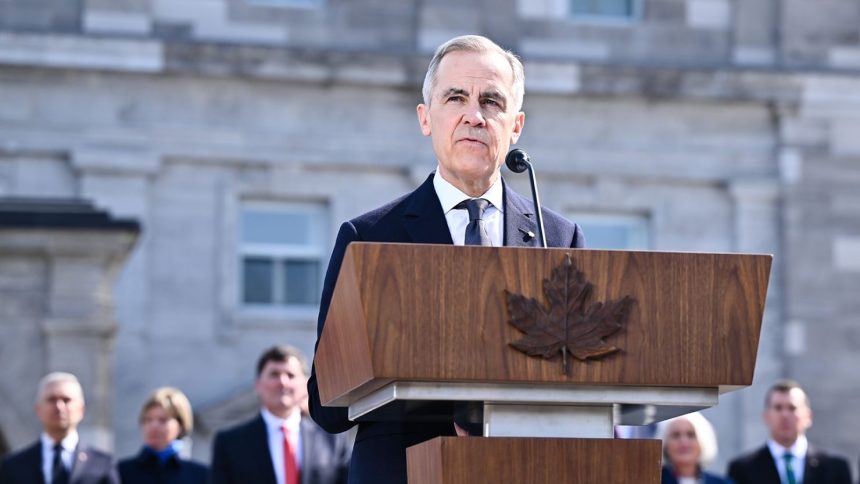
(472, 140)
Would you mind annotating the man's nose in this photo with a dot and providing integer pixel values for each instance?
(473, 115)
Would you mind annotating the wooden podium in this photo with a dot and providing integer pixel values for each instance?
(414, 330)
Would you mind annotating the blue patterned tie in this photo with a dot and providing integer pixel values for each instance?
(789, 470)
(476, 232)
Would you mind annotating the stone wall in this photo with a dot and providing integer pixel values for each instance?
(722, 127)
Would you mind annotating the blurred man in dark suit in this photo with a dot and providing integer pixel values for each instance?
(280, 445)
(59, 457)
(473, 96)
(788, 458)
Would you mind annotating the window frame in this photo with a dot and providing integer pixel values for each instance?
(315, 250)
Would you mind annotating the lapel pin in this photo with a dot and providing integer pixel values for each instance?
(527, 235)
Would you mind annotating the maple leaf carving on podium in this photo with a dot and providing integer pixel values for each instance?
(570, 324)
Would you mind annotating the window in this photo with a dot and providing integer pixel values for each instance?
(613, 231)
(282, 252)
(603, 8)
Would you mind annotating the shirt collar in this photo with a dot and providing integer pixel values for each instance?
(450, 196)
(798, 449)
(273, 422)
(69, 443)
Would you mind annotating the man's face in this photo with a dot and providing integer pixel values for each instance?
(787, 416)
(471, 117)
(60, 408)
(282, 386)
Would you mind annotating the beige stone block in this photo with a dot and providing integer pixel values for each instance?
(112, 22)
(241, 32)
(846, 253)
(709, 14)
(749, 55)
(552, 77)
(845, 137)
(56, 50)
(565, 48)
(844, 57)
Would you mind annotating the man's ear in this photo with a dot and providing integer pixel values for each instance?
(423, 119)
(519, 121)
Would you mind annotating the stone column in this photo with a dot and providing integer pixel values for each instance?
(64, 318)
(757, 230)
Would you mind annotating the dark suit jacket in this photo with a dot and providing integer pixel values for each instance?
(379, 456)
(706, 478)
(90, 466)
(145, 468)
(240, 455)
(758, 467)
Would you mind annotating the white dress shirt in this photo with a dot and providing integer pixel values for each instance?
(276, 440)
(458, 219)
(798, 450)
(67, 455)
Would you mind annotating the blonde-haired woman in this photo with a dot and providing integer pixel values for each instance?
(165, 419)
(689, 445)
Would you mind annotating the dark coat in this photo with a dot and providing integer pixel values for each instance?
(145, 468)
(379, 456)
(90, 466)
(240, 455)
(758, 467)
(706, 478)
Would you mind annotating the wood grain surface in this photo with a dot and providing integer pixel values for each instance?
(478, 460)
(414, 312)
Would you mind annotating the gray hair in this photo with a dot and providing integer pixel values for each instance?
(474, 43)
(56, 378)
(704, 435)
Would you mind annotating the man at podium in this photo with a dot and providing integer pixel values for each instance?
(473, 95)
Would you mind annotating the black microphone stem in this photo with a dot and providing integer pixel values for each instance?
(541, 233)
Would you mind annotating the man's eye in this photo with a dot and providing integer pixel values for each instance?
(455, 98)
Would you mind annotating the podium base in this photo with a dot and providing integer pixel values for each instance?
(475, 460)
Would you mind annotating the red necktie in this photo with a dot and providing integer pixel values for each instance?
(291, 468)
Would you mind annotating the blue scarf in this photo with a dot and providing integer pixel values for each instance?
(166, 453)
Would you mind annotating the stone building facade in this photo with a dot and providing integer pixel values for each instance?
(696, 125)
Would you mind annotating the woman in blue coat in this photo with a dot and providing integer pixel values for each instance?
(165, 419)
(689, 445)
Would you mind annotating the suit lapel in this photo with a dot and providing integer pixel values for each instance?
(259, 446)
(520, 225)
(34, 464)
(424, 219)
(766, 467)
(812, 467)
(308, 449)
(79, 461)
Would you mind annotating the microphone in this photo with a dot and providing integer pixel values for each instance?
(518, 161)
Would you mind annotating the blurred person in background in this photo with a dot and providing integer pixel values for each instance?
(165, 419)
(280, 445)
(59, 456)
(689, 445)
(787, 457)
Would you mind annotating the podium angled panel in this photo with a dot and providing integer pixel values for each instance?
(414, 312)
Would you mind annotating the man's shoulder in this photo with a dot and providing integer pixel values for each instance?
(750, 458)
(825, 457)
(375, 216)
(240, 429)
(397, 207)
(89, 453)
(23, 455)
